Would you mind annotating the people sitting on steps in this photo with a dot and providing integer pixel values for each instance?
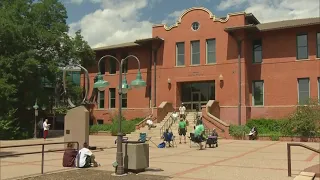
(168, 137)
(149, 123)
(86, 157)
(69, 156)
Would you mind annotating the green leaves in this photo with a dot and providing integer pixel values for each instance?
(34, 42)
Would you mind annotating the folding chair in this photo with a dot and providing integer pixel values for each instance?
(143, 138)
(168, 138)
(194, 140)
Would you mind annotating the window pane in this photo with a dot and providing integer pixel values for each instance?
(180, 54)
(211, 45)
(195, 46)
(257, 56)
(186, 92)
(124, 100)
(212, 95)
(302, 53)
(258, 93)
(257, 45)
(303, 85)
(318, 38)
(180, 48)
(112, 66)
(195, 58)
(318, 51)
(112, 103)
(102, 67)
(211, 57)
(101, 99)
(302, 40)
(180, 60)
(112, 92)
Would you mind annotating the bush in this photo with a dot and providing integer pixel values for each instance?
(100, 127)
(127, 126)
(238, 131)
(266, 126)
(305, 121)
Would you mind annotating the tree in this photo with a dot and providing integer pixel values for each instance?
(34, 42)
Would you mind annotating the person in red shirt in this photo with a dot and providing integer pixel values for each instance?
(69, 156)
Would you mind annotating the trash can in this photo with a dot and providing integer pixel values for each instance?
(136, 155)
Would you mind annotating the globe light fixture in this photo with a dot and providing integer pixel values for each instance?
(101, 84)
(138, 82)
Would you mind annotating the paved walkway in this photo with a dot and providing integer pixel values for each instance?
(247, 160)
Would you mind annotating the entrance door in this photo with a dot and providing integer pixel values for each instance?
(195, 101)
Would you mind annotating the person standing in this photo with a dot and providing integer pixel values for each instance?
(45, 129)
(182, 110)
(174, 116)
(182, 130)
(198, 133)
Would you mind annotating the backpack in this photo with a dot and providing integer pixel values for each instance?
(162, 145)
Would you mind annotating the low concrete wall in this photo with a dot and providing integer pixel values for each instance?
(282, 138)
(163, 110)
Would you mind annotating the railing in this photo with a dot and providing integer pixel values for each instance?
(37, 152)
(166, 125)
(289, 153)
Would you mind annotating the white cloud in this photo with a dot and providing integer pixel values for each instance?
(275, 10)
(116, 22)
(172, 17)
(75, 1)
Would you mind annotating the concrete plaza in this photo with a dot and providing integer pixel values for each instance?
(232, 160)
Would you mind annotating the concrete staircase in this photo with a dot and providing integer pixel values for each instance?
(153, 132)
(190, 117)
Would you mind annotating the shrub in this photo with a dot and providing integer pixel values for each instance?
(305, 121)
(266, 126)
(127, 126)
(100, 127)
(238, 131)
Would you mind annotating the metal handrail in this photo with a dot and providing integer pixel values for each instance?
(166, 125)
(289, 153)
(37, 152)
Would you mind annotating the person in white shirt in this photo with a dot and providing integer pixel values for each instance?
(45, 129)
(182, 110)
(174, 116)
(86, 157)
(149, 122)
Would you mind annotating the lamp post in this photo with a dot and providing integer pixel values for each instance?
(36, 114)
(123, 89)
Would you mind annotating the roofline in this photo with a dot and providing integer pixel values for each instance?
(235, 28)
(253, 17)
(136, 43)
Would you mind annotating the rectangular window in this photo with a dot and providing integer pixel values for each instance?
(124, 101)
(318, 45)
(102, 67)
(101, 100)
(258, 93)
(180, 54)
(302, 46)
(112, 97)
(211, 51)
(125, 63)
(195, 52)
(112, 65)
(257, 51)
(303, 91)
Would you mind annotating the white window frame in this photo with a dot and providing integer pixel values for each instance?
(215, 50)
(299, 91)
(191, 48)
(252, 97)
(104, 100)
(112, 98)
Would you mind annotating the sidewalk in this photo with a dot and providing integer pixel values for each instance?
(232, 160)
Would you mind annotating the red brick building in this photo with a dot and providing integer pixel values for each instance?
(251, 69)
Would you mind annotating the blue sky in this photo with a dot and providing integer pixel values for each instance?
(106, 22)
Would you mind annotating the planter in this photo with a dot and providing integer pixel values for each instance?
(101, 133)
